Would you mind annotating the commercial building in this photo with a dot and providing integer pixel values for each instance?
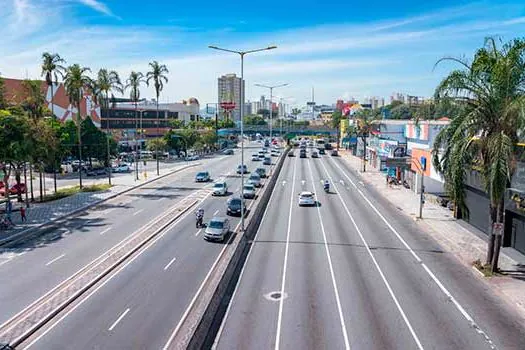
(15, 92)
(229, 91)
(374, 102)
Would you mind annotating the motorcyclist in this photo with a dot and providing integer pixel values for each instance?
(199, 214)
(326, 185)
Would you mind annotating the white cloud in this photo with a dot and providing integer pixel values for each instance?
(374, 58)
(98, 6)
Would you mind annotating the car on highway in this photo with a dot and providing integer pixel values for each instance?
(302, 153)
(255, 180)
(217, 229)
(219, 189)
(227, 152)
(321, 151)
(248, 191)
(242, 169)
(267, 161)
(334, 153)
(202, 176)
(266, 143)
(255, 158)
(306, 198)
(261, 156)
(233, 206)
(328, 146)
(261, 172)
(291, 154)
(315, 154)
(274, 153)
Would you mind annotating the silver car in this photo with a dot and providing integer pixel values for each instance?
(255, 180)
(217, 229)
(220, 189)
(248, 191)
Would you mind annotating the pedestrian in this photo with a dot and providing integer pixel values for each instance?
(23, 214)
(8, 211)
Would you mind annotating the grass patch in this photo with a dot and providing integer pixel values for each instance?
(485, 269)
(69, 191)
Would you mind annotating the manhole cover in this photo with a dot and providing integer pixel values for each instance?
(275, 296)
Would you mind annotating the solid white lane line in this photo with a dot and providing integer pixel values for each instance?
(376, 264)
(441, 286)
(219, 333)
(138, 212)
(118, 320)
(169, 228)
(332, 273)
(216, 212)
(106, 230)
(285, 263)
(55, 259)
(169, 264)
(198, 232)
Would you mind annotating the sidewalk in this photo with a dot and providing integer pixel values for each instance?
(455, 236)
(39, 214)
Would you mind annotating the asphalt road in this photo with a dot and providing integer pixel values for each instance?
(141, 304)
(352, 273)
(34, 267)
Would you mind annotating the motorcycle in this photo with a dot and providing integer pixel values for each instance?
(327, 188)
(199, 223)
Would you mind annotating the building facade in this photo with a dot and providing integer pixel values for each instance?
(229, 90)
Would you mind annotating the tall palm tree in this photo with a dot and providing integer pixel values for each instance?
(133, 85)
(107, 81)
(75, 81)
(158, 76)
(484, 133)
(52, 69)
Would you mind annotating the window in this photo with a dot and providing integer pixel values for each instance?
(216, 224)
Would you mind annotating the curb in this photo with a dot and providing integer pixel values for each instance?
(210, 322)
(20, 235)
(79, 293)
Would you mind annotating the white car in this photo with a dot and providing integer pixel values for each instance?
(122, 168)
(217, 229)
(248, 191)
(306, 199)
(220, 189)
(255, 158)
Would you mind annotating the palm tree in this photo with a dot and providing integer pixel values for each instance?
(484, 133)
(106, 82)
(133, 85)
(75, 81)
(362, 129)
(157, 75)
(52, 69)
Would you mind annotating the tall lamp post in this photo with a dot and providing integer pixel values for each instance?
(242, 54)
(271, 102)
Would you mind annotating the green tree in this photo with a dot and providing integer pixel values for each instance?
(226, 123)
(483, 135)
(335, 122)
(401, 111)
(75, 81)
(133, 83)
(34, 101)
(176, 124)
(3, 101)
(158, 144)
(209, 138)
(254, 120)
(296, 112)
(52, 68)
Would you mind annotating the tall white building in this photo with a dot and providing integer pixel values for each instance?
(229, 90)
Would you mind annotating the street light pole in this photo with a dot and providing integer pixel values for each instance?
(242, 54)
(271, 102)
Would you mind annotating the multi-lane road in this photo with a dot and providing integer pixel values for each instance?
(139, 305)
(351, 273)
(348, 273)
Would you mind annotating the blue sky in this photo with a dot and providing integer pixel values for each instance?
(342, 49)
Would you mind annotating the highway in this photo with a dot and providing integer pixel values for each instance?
(32, 268)
(140, 304)
(351, 273)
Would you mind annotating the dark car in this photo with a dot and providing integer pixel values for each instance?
(302, 154)
(261, 172)
(228, 152)
(234, 206)
(100, 171)
(321, 151)
(328, 146)
(291, 154)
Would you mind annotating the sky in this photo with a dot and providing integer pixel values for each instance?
(340, 49)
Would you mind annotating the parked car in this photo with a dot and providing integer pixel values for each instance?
(227, 152)
(267, 161)
(255, 180)
(217, 229)
(123, 168)
(15, 189)
(261, 172)
(248, 191)
(202, 176)
(306, 199)
(233, 206)
(335, 153)
(220, 189)
(100, 171)
(242, 169)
